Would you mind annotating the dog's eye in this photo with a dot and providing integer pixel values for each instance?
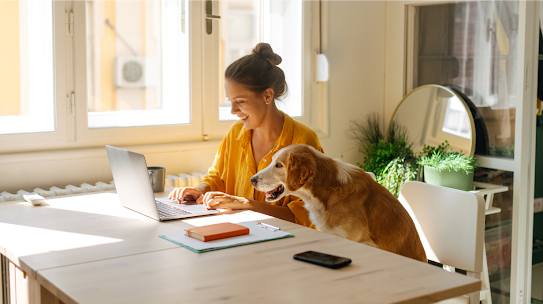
(278, 165)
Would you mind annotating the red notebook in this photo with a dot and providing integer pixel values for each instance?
(216, 231)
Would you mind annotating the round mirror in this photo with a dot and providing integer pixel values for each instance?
(432, 114)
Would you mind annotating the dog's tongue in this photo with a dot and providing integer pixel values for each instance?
(271, 193)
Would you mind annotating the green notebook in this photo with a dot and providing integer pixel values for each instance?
(257, 233)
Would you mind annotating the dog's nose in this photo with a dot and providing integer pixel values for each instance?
(254, 180)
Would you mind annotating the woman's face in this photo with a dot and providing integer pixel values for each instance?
(249, 106)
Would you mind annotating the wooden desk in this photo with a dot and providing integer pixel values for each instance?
(89, 249)
(85, 228)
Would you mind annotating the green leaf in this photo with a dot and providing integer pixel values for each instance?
(454, 161)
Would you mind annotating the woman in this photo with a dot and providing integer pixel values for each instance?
(252, 84)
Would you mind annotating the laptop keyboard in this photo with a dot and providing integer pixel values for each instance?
(167, 210)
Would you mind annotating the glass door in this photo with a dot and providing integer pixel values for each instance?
(484, 49)
(473, 47)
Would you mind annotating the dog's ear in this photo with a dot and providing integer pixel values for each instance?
(301, 169)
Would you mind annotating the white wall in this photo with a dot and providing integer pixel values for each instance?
(60, 168)
(356, 53)
(355, 45)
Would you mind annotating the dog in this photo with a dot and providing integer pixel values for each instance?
(342, 199)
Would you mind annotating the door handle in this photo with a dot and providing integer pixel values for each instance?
(210, 17)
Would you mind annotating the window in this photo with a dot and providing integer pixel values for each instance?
(278, 23)
(136, 72)
(26, 62)
(473, 47)
(455, 120)
(137, 63)
(33, 80)
(288, 26)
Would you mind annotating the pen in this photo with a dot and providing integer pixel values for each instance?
(269, 227)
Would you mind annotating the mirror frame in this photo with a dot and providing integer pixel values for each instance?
(471, 151)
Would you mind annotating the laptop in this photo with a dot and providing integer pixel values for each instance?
(134, 189)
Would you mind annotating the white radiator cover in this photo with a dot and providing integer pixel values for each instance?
(180, 180)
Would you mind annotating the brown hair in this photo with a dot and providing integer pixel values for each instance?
(259, 71)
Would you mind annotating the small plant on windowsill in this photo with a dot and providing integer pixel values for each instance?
(447, 168)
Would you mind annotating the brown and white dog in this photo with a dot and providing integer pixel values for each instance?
(341, 199)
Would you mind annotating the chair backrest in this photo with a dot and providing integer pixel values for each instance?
(450, 223)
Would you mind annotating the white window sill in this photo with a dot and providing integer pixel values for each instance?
(60, 155)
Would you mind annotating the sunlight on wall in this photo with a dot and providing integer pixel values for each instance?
(107, 60)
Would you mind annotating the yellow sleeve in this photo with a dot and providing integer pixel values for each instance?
(216, 171)
(308, 137)
(301, 214)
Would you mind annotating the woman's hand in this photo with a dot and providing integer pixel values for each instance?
(219, 200)
(186, 194)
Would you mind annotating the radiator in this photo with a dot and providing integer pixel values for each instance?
(180, 180)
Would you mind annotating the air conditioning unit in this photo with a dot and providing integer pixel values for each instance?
(136, 72)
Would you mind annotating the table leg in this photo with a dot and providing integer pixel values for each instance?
(32, 292)
(485, 288)
(21, 288)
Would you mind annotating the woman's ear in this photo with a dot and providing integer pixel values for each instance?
(268, 95)
(301, 169)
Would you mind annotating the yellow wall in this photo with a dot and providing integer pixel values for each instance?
(10, 71)
(107, 46)
(143, 43)
(113, 98)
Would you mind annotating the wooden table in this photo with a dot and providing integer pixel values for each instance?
(89, 249)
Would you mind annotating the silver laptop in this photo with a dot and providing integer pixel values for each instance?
(134, 189)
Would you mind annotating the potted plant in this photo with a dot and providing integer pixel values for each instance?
(392, 160)
(447, 168)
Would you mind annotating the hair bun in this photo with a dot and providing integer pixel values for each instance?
(265, 51)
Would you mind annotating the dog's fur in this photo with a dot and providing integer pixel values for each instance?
(341, 199)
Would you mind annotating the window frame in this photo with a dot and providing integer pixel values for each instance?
(14, 142)
(69, 52)
(314, 95)
(138, 134)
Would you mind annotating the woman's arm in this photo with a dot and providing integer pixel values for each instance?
(219, 200)
(189, 193)
(281, 212)
(203, 188)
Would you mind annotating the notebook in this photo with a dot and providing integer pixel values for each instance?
(213, 232)
(258, 232)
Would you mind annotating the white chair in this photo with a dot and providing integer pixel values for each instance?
(487, 191)
(451, 226)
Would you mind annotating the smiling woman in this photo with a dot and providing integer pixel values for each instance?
(253, 84)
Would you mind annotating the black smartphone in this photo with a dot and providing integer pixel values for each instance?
(322, 259)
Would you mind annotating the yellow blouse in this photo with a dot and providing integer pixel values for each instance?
(234, 164)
